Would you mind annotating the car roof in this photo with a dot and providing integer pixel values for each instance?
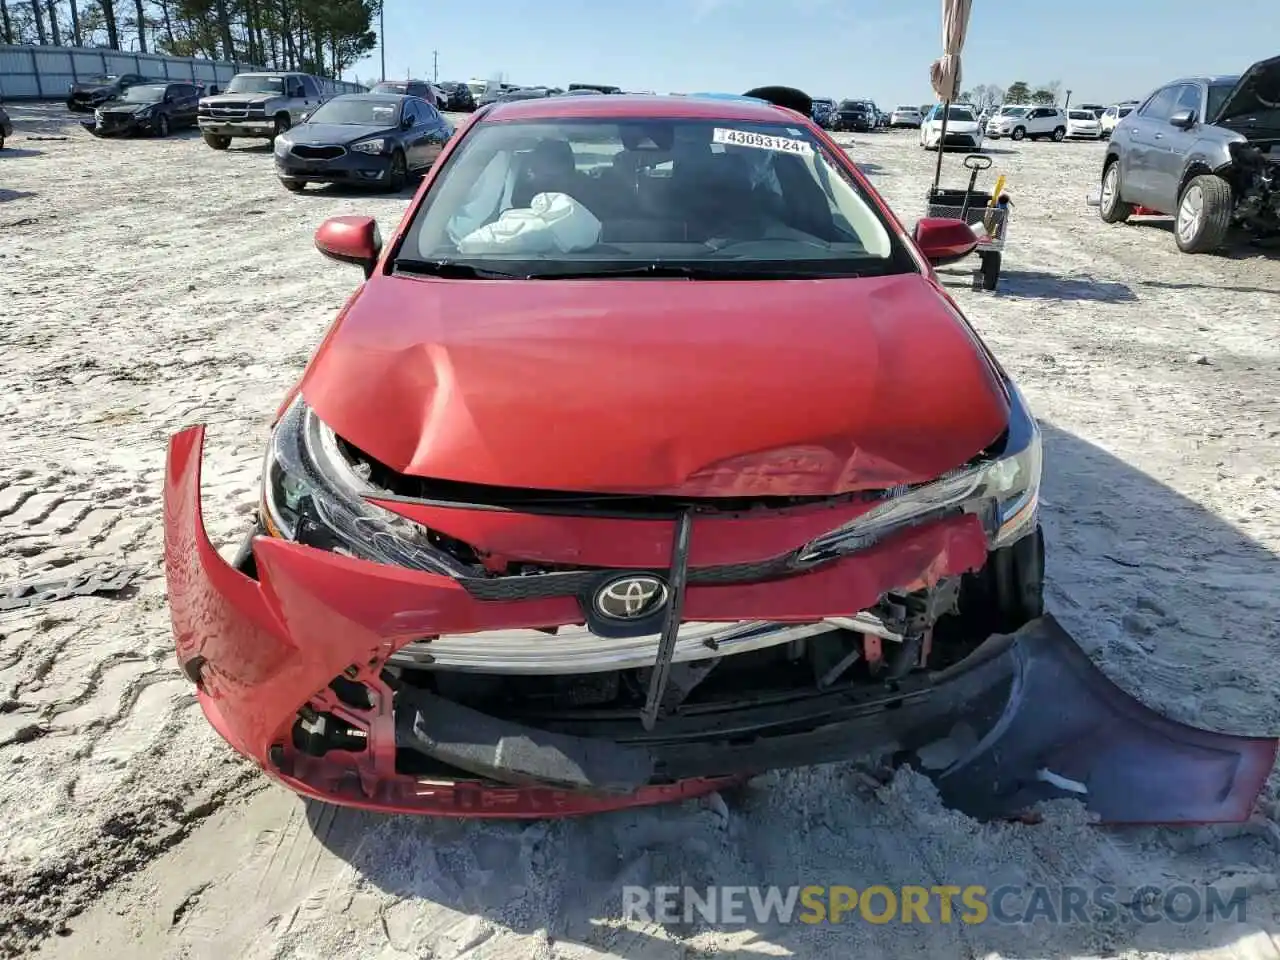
(609, 106)
(1204, 78)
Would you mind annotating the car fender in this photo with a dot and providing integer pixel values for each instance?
(1207, 155)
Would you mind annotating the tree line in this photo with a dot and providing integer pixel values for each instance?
(986, 95)
(323, 37)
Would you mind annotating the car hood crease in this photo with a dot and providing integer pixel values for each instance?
(789, 388)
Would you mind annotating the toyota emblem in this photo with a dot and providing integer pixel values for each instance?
(631, 598)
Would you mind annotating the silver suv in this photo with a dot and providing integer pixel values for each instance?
(258, 105)
(1203, 150)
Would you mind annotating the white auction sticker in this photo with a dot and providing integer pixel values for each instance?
(761, 141)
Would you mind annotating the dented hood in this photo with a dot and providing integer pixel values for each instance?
(1258, 90)
(694, 388)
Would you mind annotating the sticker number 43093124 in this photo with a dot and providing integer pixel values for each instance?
(744, 138)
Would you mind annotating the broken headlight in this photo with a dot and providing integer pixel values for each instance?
(312, 494)
(1003, 489)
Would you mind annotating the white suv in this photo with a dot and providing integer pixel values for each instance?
(1030, 121)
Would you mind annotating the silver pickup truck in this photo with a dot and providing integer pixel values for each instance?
(259, 106)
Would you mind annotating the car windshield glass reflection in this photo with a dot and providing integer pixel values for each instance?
(144, 94)
(357, 112)
(243, 84)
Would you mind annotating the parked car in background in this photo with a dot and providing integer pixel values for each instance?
(422, 89)
(526, 93)
(6, 126)
(84, 95)
(258, 106)
(1203, 150)
(1083, 124)
(1095, 108)
(1114, 114)
(147, 108)
(824, 112)
(906, 116)
(596, 87)
(1036, 122)
(362, 139)
(458, 96)
(963, 129)
(855, 115)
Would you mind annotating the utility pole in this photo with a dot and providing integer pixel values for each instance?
(382, 36)
(435, 65)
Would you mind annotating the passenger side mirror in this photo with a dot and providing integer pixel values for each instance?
(1183, 119)
(351, 240)
(944, 240)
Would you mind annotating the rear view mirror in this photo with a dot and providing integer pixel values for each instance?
(351, 240)
(1183, 119)
(944, 240)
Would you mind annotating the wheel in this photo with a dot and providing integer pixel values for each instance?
(1204, 214)
(162, 125)
(218, 143)
(1110, 207)
(399, 173)
(283, 123)
(1019, 133)
(1059, 134)
(990, 270)
(294, 186)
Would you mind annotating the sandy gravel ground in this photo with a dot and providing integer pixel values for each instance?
(147, 285)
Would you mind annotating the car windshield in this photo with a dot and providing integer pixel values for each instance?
(1012, 111)
(852, 105)
(1218, 96)
(1125, 111)
(1082, 115)
(247, 83)
(389, 86)
(357, 111)
(904, 109)
(144, 94)
(694, 198)
(960, 114)
(102, 80)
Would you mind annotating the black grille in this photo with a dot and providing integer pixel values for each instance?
(569, 583)
(317, 153)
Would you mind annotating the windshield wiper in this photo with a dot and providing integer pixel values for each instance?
(662, 270)
(453, 270)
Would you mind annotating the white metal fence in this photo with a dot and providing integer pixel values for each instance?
(45, 73)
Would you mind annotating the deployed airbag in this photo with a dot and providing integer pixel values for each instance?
(552, 223)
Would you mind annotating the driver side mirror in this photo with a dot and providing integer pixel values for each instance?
(305, 117)
(1183, 119)
(351, 240)
(406, 123)
(944, 240)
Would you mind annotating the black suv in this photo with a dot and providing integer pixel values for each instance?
(858, 115)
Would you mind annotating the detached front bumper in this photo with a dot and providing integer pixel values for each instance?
(284, 659)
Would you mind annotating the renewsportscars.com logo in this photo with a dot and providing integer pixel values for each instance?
(935, 904)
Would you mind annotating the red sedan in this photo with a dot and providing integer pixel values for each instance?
(651, 455)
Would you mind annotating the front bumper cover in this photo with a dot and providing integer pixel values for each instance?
(1024, 718)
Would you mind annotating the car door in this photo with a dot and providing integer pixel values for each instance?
(303, 98)
(437, 131)
(413, 134)
(1170, 146)
(182, 108)
(1140, 137)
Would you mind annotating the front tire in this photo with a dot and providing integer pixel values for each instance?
(283, 123)
(294, 186)
(162, 126)
(1019, 133)
(1204, 214)
(1111, 208)
(399, 173)
(217, 142)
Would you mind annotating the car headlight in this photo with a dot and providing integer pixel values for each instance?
(283, 144)
(145, 112)
(311, 494)
(377, 145)
(1003, 490)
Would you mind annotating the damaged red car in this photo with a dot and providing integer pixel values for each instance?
(649, 456)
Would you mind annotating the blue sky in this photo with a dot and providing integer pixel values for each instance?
(1103, 50)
